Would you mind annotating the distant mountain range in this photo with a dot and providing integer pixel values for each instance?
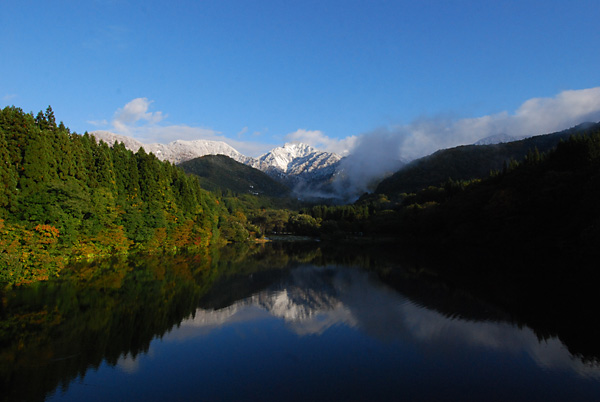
(177, 151)
(293, 164)
(324, 176)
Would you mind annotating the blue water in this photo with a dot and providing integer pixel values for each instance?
(338, 333)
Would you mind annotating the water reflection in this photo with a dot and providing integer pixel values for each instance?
(302, 323)
(313, 299)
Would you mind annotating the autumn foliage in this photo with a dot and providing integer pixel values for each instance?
(65, 196)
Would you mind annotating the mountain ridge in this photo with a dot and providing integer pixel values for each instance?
(177, 151)
(289, 159)
(296, 165)
(220, 172)
(467, 162)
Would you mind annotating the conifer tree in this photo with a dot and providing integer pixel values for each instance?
(8, 182)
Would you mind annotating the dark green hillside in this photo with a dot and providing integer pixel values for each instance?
(220, 172)
(542, 206)
(469, 162)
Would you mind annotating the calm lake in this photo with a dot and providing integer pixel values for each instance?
(288, 322)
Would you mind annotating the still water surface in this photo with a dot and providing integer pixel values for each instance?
(273, 325)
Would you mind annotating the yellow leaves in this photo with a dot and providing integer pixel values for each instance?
(114, 240)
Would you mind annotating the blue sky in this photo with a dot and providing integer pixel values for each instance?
(337, 74)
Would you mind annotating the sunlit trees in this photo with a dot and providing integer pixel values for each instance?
(101, 199)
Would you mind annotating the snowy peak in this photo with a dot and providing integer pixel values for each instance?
(181, 150)
(177, 151)
(111, 138)
(292, 163)
(297, 158)
(281, 157)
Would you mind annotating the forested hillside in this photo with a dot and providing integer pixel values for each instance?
(469, 162)
(547, 204)
(64, 194)
(221, 173)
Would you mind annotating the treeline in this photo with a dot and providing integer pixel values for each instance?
(65, 196)
(548, 201)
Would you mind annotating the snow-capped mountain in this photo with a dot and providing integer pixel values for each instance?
(110, 138)
(290, 163)
(181, 151)
(296, 159)
(304, 169)
(311, 300)
(177, 151)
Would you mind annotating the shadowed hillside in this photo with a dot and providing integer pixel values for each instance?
(468, 162)
(219, 172)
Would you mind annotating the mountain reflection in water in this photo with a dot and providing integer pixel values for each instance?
(313, 299)
(276, 323)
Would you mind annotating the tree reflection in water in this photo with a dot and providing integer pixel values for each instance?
(293, 303)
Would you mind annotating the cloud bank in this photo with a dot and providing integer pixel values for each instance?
(373, 154)
(9, 97)
(379, 152)
(319, 140)
(426, 135)
(128, 118)
(535, 116)
(136, 120)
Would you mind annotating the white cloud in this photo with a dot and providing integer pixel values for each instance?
(535, 116)
(9, 97)
(317, 139)
(380, 149)
(98, 123)
(429, 134)
(166, 134)
(136, 121)
(132, 113)
(376, 153)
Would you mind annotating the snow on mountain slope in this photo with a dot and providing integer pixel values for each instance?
(181, 151)
(176, 151)
(111, 138)
(296, 159)
(292, 159)
(306, 170)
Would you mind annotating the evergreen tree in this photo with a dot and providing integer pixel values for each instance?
(8, 181)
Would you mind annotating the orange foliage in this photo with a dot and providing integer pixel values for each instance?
(49, 234)
(182, 234)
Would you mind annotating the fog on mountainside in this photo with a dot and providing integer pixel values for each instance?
(315, 175)
(375, 156)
